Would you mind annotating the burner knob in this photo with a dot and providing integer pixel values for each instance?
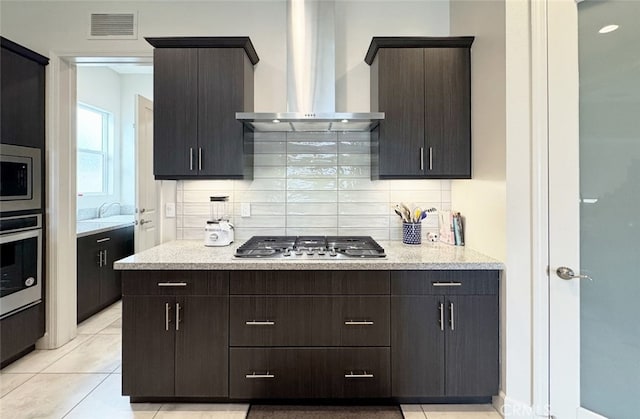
(332, 252)
(321, 251)
(287, 252)
(310, 251)
(299, 251)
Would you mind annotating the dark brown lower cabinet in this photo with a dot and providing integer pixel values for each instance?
(444, 343)
(300, 373)
(99, 285)
(175, 346)
(175, 334)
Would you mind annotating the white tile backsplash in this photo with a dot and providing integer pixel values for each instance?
(311, 184)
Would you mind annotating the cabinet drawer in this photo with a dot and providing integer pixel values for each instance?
(310, 282)
(286, 373)
(444, 282)
(175, 283)
(309, 321)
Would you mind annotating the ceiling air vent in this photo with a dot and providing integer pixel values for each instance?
(114, 26)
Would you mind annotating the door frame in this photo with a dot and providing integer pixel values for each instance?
(60, 166)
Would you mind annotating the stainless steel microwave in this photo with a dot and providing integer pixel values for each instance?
(20, 178)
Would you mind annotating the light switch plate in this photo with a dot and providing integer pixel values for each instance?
(170, 210)
(245, 209)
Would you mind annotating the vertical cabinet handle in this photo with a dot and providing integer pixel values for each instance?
(105, 257)
(441, 321)
(451, 317)
(199, 158)
(430, 158)
(167, 308)
(100, 259)
(178, 316)
(190, 158)
(421, 158)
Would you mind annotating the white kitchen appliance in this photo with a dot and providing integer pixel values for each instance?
(218, 230)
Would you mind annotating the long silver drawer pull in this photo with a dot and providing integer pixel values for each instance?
(430, 158)
(358, 322)
(100, 259)
(199, 158)
(178, 316)
(106, 239)
(441, 308)
(190, 158)
(166, 316)
(451, 319)
(447, 284)
(421, 158)
(172, 284)
(259, 322)
(254, 375)
(363, 375)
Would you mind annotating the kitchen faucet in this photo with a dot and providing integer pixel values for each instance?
(102, 209)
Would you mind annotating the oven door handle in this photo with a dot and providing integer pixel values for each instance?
(22, 235)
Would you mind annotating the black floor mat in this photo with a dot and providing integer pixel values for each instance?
(324, 412)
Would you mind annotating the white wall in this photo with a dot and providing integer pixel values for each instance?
(100, 87)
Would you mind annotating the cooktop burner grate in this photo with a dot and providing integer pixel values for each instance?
(310, 247)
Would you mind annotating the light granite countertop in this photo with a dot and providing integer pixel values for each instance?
(193, 255)
(100, 225)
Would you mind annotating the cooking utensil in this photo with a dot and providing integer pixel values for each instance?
(400, 211)
(425, 212)
(417, 214)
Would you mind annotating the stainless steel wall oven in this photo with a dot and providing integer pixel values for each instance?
(20, 178)
(21, 263)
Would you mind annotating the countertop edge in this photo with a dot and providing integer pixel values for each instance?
(300, 266)
(103, 229)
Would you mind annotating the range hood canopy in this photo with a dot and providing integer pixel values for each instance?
(311, 77)
(310, 122)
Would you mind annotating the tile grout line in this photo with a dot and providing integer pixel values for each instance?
(28, 379)
(86, 395)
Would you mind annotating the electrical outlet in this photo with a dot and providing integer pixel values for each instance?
(245, 209)
(433, 237)
(170, 210)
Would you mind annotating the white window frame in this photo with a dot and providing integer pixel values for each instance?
(106, 153)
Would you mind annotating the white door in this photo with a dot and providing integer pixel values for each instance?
(147, 188)
(594, 209)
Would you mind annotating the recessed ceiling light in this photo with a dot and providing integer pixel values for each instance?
(276, 121)
(608, 28)
(344, 121)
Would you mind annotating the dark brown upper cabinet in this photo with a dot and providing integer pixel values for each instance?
(199, 84)
(22, 95)
(423, 85)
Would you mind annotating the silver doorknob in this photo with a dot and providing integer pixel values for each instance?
(567, 273)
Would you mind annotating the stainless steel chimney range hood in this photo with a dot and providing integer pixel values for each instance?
(310, 78)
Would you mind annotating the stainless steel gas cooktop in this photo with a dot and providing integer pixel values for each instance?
(310, 247)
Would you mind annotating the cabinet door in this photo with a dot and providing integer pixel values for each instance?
(148, 345)
(202, 346)
(22, 107)
(221, 89)
(88, 276)
(400, 92)
(417, 346)
(120, 246)
(447, 109)
(472, 363)
(175, 90)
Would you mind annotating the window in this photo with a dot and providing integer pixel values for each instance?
(94, 176)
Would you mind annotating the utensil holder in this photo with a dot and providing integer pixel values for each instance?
(412, 233)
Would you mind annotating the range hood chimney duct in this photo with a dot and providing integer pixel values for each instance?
(311, 77)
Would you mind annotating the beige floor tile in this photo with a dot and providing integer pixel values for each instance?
(412, 411)
(107, 402)
(203, 411)
(101, 354)
(40, 359)
(114, 328)
(460, 411)
(48, 395)
(8, 382)
(99, 321)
